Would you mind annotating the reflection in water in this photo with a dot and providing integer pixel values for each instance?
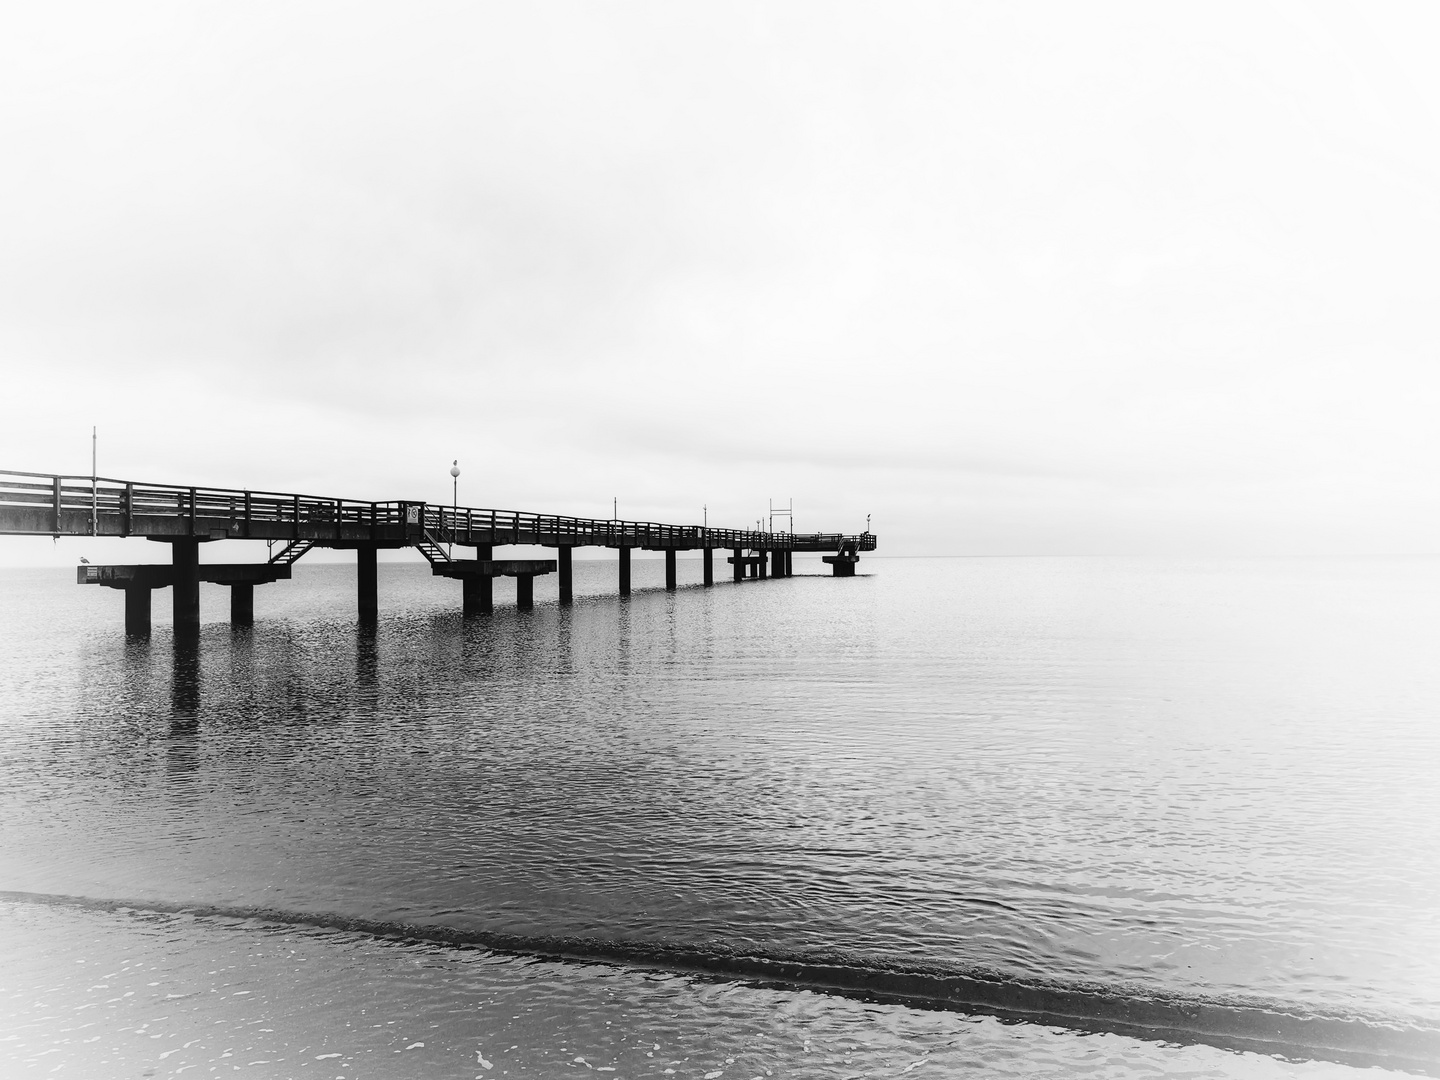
(367, 656)
(1043, 776)
(182, 752)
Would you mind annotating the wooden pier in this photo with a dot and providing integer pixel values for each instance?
(47, 504)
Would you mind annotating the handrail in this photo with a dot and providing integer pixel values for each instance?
(132, 499)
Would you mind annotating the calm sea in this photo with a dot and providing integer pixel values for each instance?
(952, 817)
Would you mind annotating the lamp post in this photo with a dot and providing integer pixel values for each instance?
(454, 501)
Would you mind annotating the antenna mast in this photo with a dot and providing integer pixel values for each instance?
(787, 512)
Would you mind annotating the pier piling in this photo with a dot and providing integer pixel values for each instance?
(367, 591)
(242, 604)
(709, 560)
(669, 569)
(484, 600)
(137, 610)
(624, 571)
(185, 586)
(567, 592)
(473, 600)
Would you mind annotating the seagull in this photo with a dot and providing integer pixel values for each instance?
(83, 559)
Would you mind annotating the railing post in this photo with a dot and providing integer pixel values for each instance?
(192, 511)
(56, 483)
(295, 517)
(129, 520)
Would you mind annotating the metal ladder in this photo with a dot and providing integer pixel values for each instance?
(290, 552)
(432, 550)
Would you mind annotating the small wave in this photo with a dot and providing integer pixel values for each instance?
(1280, 1028)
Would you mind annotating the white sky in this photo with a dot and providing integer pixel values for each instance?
(1013, 278)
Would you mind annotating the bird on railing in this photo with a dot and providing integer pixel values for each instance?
(84, 560)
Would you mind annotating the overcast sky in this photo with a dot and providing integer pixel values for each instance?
(1013, 278)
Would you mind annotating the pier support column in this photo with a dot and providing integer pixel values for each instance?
(709, 567)
(477, 595)
(484, 588)
(669, 569)
(567, 591)
(739, 566)
(624, 571)
(524, 592)
(777, 563)
(137, 610)
(242, 604)
(789, 569)
(760, 571)
(185, 558)
(365, 582)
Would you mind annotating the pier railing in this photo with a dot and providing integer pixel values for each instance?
(60, 505)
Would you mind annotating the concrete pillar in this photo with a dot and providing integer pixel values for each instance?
(477, 595)
(624, 571)
(185, 558)
(567, 591)
(365, 581)
(760, 571)
(709, 567)
(137, 611)
(480, 599)
(242, 604)
(777, 563)
(789, 567)
(669, 569)
(739, 566)
(525, 592)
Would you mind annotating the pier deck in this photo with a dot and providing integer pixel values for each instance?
(49, 504)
